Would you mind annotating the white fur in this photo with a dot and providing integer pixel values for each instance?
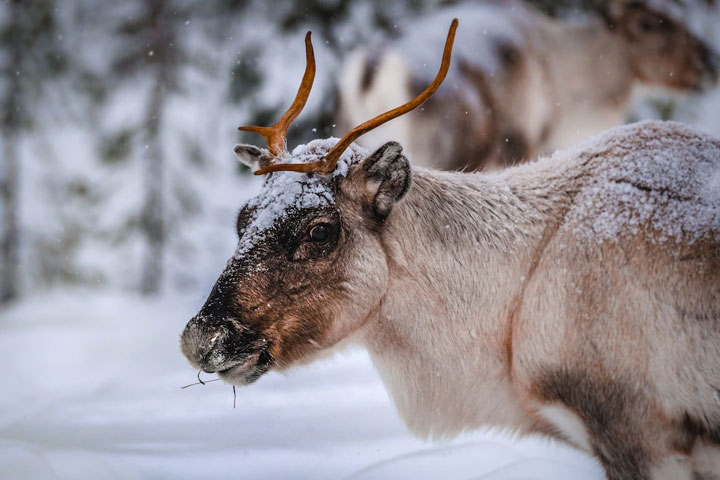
(674, 467)
(568, 423)
(706, 460)
(388, 93)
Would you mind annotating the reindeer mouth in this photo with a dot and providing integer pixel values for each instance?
(247, 370)
(238, 354)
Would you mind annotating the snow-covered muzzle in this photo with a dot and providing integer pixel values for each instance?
(237, 353)
(278, 298)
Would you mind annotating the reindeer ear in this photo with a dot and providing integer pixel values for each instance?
(390, 171)
(255, 158)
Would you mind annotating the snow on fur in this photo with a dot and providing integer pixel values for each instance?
(671, 184)
(283, 192)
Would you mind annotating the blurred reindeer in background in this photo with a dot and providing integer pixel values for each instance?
(523, 83)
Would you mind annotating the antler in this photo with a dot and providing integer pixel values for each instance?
(329, 162)
(275, 135)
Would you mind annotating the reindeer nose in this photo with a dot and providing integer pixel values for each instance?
(202, 342)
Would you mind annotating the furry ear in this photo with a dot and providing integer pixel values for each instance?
(255, 158)
(389, 167)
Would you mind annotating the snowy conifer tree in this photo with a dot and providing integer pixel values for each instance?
(30, 57)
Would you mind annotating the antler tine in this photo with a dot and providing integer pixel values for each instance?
(329, 162)
(275, 135)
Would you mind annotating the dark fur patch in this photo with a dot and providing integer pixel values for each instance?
(480, 140)
(515, 148)
(369, 70)
(710, 62)
(696, 428)
(545, 132)
(509, 55)
(610, 410)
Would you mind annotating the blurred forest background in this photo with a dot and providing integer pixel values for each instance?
(117, 178)
(118, 121)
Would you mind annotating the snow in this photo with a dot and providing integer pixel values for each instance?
(286, 191)
(662, 175)
(91, 389)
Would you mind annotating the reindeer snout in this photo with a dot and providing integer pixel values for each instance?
(216, 345)
(206, 344)
(198, 342)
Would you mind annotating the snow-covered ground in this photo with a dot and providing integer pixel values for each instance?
(91, 389)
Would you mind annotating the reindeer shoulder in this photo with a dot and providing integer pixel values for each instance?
(662, 177)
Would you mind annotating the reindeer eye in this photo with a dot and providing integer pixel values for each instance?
(319, 233)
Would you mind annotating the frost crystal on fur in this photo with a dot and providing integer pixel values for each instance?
(670, 186)
(286, 191)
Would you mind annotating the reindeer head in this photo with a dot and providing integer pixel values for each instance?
(660, 49)
(309, 268)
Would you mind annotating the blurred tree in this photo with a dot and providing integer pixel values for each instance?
(31, 56)
(153, 48)
(162, 84)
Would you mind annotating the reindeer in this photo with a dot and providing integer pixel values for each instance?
(524, 83)
(577, 296)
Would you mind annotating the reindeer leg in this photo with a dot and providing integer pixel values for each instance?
(613, 416)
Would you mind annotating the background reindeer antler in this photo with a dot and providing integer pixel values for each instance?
(328, 163)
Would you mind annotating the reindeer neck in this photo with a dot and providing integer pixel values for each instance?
(459, 251)
(591, 79)
(586, 44)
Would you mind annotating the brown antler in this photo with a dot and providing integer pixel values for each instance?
(275, 135)
(329, 162)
